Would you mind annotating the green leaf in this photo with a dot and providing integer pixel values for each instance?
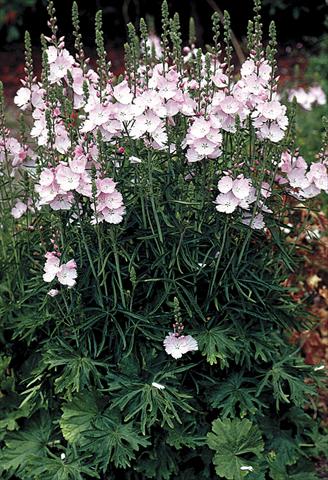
(21, 446)
(78, 369)
(78, 415)
(236, 396)
(185, 436)
(60, 469)
(236, 443)
(148, 403)
(113, 441)
(217, 344)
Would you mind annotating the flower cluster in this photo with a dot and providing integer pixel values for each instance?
(81, 116)
(57, 186)
(20, 208)
(65, 273)
(109, 202)
(304, 181)
(240, 192)
(308, 98)
(13, 151)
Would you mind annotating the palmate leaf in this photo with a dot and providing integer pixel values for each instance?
(286, 379)
(185, 435)
(236, 392)
(159, 462)
(111, 440)
(100, 433)
(303, 471)
(78, 415)
(21, 446)
(148, 403)
(58, 469)
(78, 368)
(236, 443)
(217, 344)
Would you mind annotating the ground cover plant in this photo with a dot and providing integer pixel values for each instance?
(145, 310)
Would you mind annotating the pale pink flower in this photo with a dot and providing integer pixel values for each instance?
(23, 97)
(318, 94)
(122, 93)
(318, 175)
(241, 188)
(62, 140)
(192, 156)
(272, 110)
(225, 184)
(256, 223)
(78, 164)
(58, 68)
(37, 97)
(204, 147)
(106, 185)
(226, 202)
(66, 178)
(247, 68)
(200, 128)
(62, 201)
(147, 122)
(18, 209)
(176, 346)
(53, 292)
(113, 215)
(229, 105)
(51, 266)
(67, 273)
(297, 178)
(46, 177)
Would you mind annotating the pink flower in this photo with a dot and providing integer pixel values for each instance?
(257, 223)
(18, 209)
(297, 178)
(62, 201)
(67, 273)
(147, 122)
(247, 68)
(229, 105)
(318, 175)
(204, 147)
(122, 93)
(53, 292)
(99, 115)
(200, 128)
(66, 178)
(272, 110)
(51, 266)
(225, 184)
(113, 215)
(176, 346)
(226, 202)
(59, 64)
(46, 177)
(109, 203)
(23, 97)
(106, 185)
(241, 188)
